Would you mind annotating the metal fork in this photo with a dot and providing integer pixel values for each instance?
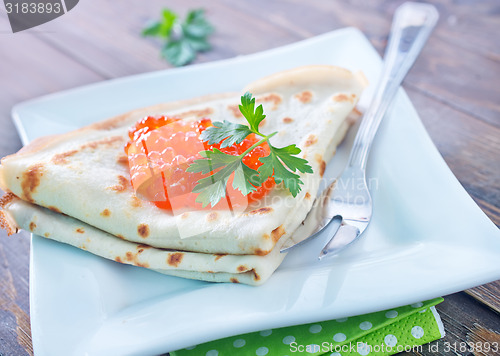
(346, 205)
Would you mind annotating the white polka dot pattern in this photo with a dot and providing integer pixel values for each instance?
(398, 327)
(339, 337)
(365, 325)
(417, 332)
(391, 314)
(313, 348)
(261, 351)
(390, 340)
(363, 349)
(314, 329)
(239, 343)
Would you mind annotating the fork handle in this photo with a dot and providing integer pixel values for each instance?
(412, 25)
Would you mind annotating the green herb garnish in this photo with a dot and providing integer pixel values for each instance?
(183, 39)
(280, 163)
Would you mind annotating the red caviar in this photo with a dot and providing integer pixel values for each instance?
(160, 150)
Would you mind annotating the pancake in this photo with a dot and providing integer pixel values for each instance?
(75, 187)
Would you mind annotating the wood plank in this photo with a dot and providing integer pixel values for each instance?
(461, 315)
(15, 332)
(105, 46)
(469, 146)
(465, 24)
(488, 294)
(483, 341)
(26, 77)
(489, 209)
(459, 79)
(470, 25)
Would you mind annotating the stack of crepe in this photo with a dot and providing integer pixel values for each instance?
(75, 187)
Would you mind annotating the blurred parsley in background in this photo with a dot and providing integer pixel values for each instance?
(183, 39)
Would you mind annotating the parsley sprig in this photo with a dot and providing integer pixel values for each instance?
(282, 163)
(183, 39)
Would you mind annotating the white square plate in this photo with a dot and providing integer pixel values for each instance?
(425, 229)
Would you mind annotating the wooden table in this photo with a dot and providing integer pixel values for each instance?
(454, 86)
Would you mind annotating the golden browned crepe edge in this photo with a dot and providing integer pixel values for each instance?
(43, 142)
(6, 222)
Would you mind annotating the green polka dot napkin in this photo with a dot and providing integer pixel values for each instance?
(382, 333)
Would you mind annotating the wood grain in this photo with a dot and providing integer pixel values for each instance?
(27, 77)
(480, 339)
(489, 294)
(463, 318)
(473, 157)
(454, 87)
(13, 306)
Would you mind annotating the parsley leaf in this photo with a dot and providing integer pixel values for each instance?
(244, 179)
(198, 44)
(182, 39)
(273, 164)
(212, 193)
(196, 26)
(162, 28)
(281, 163)
(211, 160)
(288, 156)
(226, 132)
(222, 174)
(253, 116)
(178, 53)
(213, 188)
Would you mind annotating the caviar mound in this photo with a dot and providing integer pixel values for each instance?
(160, 150)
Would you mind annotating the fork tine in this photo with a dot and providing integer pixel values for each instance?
(345, 235)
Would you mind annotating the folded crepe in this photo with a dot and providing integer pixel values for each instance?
(75, 187)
